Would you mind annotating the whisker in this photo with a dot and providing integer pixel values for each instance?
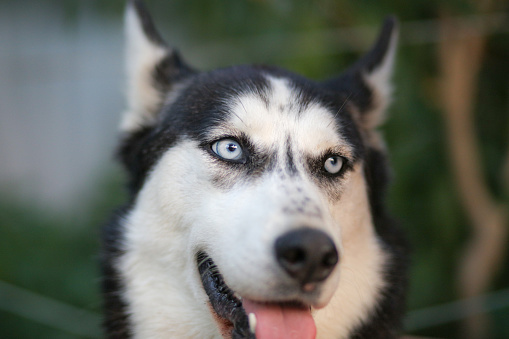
(244, 107)
(204, 260)
(341, 108)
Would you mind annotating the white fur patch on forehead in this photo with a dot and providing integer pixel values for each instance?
(280, 91)
(271, 120)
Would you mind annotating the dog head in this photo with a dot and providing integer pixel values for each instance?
(250, 196)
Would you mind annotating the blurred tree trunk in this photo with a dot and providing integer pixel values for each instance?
(461, 54)
(505, 168)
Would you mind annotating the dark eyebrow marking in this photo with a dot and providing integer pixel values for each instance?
(290, 165)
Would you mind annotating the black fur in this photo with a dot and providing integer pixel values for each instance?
(376, 55)
(351, 82)
(146, 22)
(290, 164)
(116, 321)
(170, 70)
(385, 320)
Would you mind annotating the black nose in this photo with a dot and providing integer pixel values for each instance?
(306, 254)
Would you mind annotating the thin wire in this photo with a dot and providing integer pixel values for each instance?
(71, 319)
(50, 312)
(456, 310)
(342, 40)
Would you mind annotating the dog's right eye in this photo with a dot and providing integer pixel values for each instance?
(228, 149)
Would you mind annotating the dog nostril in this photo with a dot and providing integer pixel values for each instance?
(294, 255)
(306, 254)
(330, 259)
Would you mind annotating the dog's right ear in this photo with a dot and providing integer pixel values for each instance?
(153, 68)
(367, 83)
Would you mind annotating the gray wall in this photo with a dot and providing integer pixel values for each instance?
(61, 95)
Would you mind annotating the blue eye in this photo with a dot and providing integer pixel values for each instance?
(333, 164)
(228, 149)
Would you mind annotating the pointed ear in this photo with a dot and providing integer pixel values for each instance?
(153, 68)
(367, 84)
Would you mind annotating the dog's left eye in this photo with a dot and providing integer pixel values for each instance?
(333, 164)
(228, 149)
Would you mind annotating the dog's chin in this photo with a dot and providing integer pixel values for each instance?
(239, 317)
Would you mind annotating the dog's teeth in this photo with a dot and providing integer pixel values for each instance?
(252, 322)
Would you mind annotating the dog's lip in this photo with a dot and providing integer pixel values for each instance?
(230, 315)
(224, 302)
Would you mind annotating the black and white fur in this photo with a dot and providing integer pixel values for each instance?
(186, 201)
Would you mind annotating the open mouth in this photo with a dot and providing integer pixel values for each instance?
(239, 317)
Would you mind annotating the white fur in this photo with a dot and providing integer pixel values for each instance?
(361, 264)
(143, 55)
(179, 210)
(158, 269)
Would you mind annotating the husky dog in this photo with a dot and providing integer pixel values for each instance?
(256, 203)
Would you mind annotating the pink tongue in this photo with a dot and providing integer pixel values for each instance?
(275, 321)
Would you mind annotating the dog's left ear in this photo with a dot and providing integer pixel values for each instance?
(153, 69)
(367, 84)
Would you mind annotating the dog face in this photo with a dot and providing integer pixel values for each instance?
(250, 198)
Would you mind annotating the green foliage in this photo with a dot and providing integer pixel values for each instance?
(54, 256)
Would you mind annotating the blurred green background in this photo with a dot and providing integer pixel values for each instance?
(61, 95)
